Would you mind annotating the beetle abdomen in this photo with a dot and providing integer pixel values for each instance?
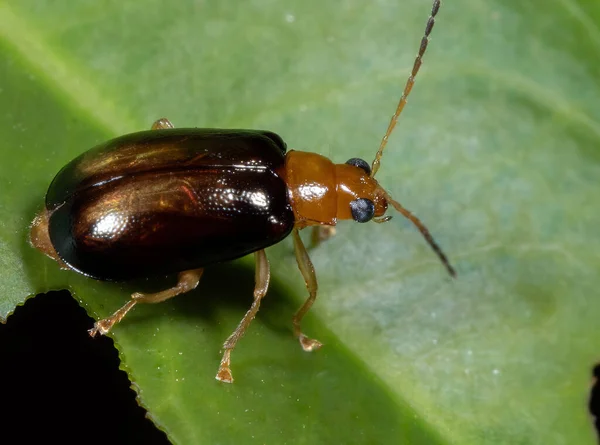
(215, 205)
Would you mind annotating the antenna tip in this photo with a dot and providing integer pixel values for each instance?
(452, 271)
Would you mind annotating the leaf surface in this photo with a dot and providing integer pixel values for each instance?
(497, 152)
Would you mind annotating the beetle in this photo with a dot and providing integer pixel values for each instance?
(170, 200)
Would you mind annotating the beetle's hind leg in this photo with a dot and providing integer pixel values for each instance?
(39, 237)
(162, 124)
(262, 276)
(187, 281)
(310, 278)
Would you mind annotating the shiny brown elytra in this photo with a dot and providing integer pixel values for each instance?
(176, 200)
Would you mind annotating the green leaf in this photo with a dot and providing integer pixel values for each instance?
(497, 152)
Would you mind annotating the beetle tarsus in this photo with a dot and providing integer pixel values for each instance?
(101, 327)
(309, 344)
(98, 329)
(224, 372)
(104, 326)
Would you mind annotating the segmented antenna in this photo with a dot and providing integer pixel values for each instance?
(408, 87)
(425, 232)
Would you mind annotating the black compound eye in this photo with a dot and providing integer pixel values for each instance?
(362, 209)
(360, 163)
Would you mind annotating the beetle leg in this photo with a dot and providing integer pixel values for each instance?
(310, 278)
(262, 276)
(39, 237)
(187, 281)
(320, 234)
(162, 124)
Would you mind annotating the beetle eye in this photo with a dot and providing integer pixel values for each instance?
(362, 210)
(360, 163)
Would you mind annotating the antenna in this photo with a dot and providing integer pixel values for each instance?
(408, 87)
(419, 225)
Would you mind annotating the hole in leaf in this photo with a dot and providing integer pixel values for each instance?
(59, 385)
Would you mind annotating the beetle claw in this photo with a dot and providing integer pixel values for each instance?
(100, 327)
(224, 372)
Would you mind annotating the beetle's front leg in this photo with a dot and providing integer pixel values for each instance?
(186, 282)
(310, 278)
(162, 124)
(262, 277)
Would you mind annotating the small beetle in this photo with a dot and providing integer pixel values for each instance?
(176, 200)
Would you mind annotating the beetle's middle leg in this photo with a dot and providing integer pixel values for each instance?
(187, 281)
(310, 278)
(262, 276)
(162, 124)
